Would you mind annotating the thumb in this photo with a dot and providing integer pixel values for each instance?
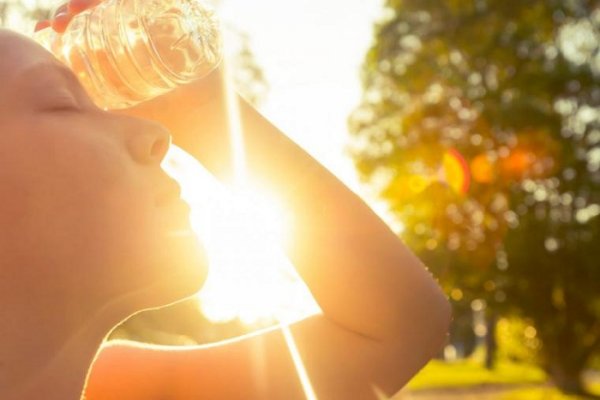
(42, 25)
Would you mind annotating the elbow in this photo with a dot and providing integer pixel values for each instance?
(438, 311)
(445, 312)
(441, 318)
(419, 342)
(425, 322)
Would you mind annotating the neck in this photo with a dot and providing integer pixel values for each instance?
(46, 356)
(64, 374)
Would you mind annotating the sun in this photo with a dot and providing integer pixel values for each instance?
(250, 277)
(244, 230)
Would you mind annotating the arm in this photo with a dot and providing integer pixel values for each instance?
(361, 274)
(383, 315)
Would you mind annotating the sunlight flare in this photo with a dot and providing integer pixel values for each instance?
(235, 127)
(244, 230)
(300, 369)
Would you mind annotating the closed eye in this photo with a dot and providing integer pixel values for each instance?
(62, 107)
(62, 100)
(53, 88)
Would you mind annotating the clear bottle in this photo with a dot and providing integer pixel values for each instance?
(127, 51)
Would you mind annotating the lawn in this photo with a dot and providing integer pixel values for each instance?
(522, 382)
(537, 394)
(440, 374)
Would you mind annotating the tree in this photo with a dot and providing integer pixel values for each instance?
(480, 126)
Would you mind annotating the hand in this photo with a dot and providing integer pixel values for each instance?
(176, 110)
(64, 14)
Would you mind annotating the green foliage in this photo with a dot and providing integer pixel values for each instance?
(513, 88)
(517, 341)
(438, 374)
(470, 375)
(538, 394)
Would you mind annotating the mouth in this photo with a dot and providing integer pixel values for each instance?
(175, 213)
(169, 195)
(173, 210)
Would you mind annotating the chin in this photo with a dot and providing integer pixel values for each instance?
(167, 270)
(183, 272)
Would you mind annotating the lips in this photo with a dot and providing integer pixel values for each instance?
(170, 193)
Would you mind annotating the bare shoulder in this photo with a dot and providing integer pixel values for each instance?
(313, 355)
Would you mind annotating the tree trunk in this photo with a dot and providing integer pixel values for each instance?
(568, 380)
(491, 344)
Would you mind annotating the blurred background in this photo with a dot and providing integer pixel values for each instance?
(472, 127)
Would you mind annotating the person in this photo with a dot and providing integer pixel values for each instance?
(88, 218)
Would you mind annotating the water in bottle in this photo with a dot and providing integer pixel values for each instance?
(128, 51)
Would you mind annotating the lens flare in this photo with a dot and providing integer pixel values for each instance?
(455, 171)
(244, 230)
(452, 171)
(300, 369)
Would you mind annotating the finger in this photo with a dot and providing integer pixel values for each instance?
(60, 22)
(77, 6)
(42, 25)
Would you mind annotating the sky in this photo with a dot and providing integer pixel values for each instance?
(311, 52)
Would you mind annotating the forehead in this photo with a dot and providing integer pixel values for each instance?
(18, 54)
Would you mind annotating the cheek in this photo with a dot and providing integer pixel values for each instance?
(113, 210)
(123, 234)
(92, 196)
(100, 225)
(14, 197)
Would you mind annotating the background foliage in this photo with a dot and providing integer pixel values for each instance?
(480, 126)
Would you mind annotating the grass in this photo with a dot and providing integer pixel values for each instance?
(440, 374)
(537, 394)
(470, 373)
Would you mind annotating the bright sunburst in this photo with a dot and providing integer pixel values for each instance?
(243, 230)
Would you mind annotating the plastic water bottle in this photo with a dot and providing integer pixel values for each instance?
(127, 51)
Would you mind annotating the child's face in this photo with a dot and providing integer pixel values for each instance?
(84, 206)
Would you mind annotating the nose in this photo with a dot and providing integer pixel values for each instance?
(149, 143)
